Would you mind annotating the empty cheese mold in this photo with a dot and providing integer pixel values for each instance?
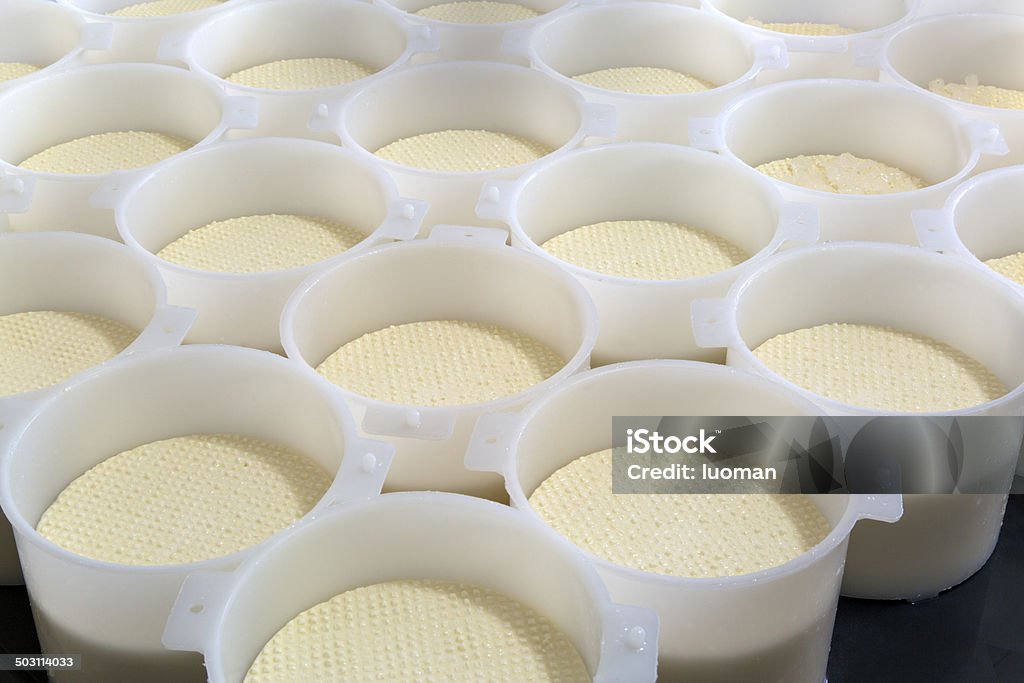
(909, 130)
(113, 614)
(712, 629)
(466, 274)
(42, 36)
(461, 96)
(813, 52)
(258, 177)
(945, 538)
(76, 103)
(78, 274)
(433, 536)
(257, 34)
(954, 47)
(645, 318)
(137, 38)
(472, 41)
(654, 35)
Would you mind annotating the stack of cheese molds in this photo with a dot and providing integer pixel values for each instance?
(296, 296)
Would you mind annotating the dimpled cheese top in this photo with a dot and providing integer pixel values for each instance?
(880, 368)
(689, 535)
(1011, 266)
(163, 8)
(185, 499)
(972, 92)
(463, 151)
(803, 28)
(478, 12)
(441, 363)
(41, 348)
(841, 174)
(301, 74)
(645, 80)
(11, 70)
(419, 632)
(107, 152)
(260, 244)
(646, 250)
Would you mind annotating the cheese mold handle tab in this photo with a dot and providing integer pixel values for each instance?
(600, 121)
(404, 219)
(193, 618)
(431, 424)
(936, 232)
(456, 233)
(240, 113)
(713, 323)
(363, 470)
(631, 638)
(799, 222)
(771, 54)
(98, 36)
(986, 138)
(880, 508)
(424, 40)
(174, 47)
(16, 192)
(497, 199)
(706, 134)
(169, 326)
(867, 52)
(491, 442)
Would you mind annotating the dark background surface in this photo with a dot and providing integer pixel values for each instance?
(973, 633)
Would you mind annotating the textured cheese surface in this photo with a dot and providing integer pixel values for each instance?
(880, 368)
(11, 70)
(645, 80)
(691, 535)
(419, 632)
(842, 174)
(646, 250)
(463, 151)
(301, 74)
(260, 244)
(803, 28)
(41, 348)
(478, 12)
(973, 92)
(1011, 266)
(107, 152)
(185, 499)
(441, 363)
(163, 8)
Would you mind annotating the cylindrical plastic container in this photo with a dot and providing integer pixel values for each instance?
(462, 35)
(501, 98)
(942, 539)
(80, 274)
(655, 35)
(824, 37)
(466, 274)
(371, 38)
(114, 614)
(771, 625)
(402, 536)
(36, 36)
(261, 177)
(137, 32)
(68, 105)
(956, 48)
(884, 123)
(645, 318)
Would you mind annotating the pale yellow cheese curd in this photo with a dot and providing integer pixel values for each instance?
(463, 151)
(1011, 266)
(478, 12)
(163, 8)
(441, 363)
(646, 250)
(41, 348)
(419, 632)
(645, 80)
(880, 368)
(184, 499)
(842, 174)
(261, 243)
(106, 153)
(802, 28)
(686, 535)
(301, 74)
(11, 70)
(973, 92)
